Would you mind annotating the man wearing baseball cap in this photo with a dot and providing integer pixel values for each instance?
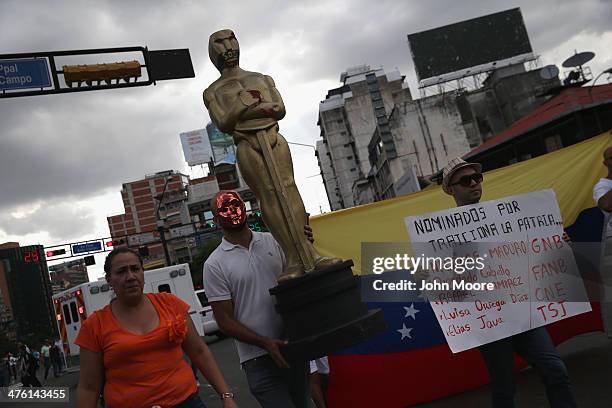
(462, 180)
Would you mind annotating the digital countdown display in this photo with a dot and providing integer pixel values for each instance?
(31, 256)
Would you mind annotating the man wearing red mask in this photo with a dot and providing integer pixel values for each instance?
(237, 278)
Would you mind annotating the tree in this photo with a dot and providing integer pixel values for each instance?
(201, 256)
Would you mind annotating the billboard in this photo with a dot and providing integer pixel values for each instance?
(486, 39)
(196, 147)
(222, 144)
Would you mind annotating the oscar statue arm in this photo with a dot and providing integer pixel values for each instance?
(224, 119)
(274, 108)
(277, 99)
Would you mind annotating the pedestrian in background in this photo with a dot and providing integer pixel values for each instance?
(13, 366)
(36, 355)
(62, 358)
(28, 367)
(54, 354)
(46, 357)
(5, 372)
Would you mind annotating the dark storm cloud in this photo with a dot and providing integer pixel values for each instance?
(82, 144)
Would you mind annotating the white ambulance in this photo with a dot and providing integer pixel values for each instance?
(74, 305)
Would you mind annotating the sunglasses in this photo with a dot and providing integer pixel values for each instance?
(466, 181)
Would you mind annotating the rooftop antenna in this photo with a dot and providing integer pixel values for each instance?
(578, 76)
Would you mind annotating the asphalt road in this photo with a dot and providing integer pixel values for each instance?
(588, 358)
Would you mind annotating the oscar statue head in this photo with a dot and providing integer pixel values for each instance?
(223, 49)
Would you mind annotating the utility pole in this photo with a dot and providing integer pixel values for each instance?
(160, 223)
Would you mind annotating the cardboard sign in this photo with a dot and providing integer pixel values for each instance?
(522, 274)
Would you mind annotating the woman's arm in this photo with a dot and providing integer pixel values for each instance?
(90, 379)
(200, 354)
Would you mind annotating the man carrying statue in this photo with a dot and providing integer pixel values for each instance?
(248, 106)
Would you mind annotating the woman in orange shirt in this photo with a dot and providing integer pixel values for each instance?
(135, 346)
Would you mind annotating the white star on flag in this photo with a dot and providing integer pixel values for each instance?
(411, 311)
(405, 331)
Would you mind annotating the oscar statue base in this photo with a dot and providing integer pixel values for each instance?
(322, 312)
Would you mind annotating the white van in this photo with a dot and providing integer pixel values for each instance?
(208, 318)
(74, 305)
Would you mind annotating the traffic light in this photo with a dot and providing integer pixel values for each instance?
(118, 242)
(55, 252)
(101, 72)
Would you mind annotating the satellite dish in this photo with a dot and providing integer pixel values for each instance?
(549, 72)
(578, 59)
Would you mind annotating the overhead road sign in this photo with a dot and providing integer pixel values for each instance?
(87, 247)
(24, 74)
(84, 76)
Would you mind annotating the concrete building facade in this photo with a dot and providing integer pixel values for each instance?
(414, 137)
(160, 199)
(347, 118)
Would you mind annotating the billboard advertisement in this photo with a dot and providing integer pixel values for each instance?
(454, 47)
(196, 147)
(222, 144)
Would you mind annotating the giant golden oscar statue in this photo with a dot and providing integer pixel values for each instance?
(248, 106)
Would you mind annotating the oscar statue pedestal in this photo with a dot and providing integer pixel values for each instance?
(322, 312)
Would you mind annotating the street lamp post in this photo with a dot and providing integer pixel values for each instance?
(162, 238)
(160, 224)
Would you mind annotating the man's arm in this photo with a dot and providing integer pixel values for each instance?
(224, 314)
(605, 202)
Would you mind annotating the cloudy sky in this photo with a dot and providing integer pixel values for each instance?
(63, 158)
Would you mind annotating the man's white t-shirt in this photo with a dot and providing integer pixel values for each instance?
(601, 188)
(245, 276)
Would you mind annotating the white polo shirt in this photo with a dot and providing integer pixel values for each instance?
(245, 276)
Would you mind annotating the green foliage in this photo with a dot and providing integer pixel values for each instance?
(200, 257)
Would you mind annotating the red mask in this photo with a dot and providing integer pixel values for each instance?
(231, 210)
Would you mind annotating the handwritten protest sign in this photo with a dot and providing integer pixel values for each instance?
(522, 274)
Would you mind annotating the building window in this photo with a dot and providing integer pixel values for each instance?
(353, 169)
(73, 312)
(349, 158)
(67, 318)
(164, 288)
